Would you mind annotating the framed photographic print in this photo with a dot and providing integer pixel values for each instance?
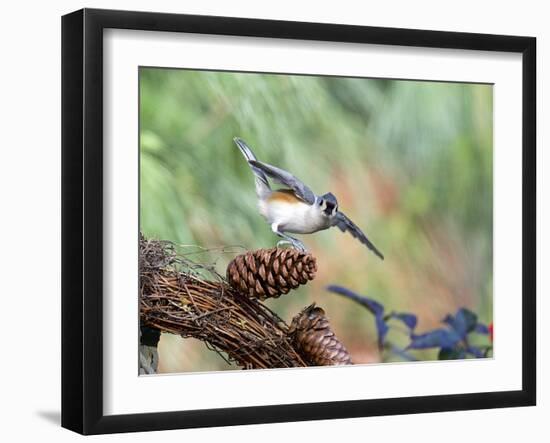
(269, 221)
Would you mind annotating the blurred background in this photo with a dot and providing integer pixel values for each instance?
(409, 161)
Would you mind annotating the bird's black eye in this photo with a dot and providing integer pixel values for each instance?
(330, 209)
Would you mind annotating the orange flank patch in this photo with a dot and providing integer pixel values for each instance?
(284, 195)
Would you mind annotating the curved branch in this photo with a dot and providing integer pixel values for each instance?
(176, 297)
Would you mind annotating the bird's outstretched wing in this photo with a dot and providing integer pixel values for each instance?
(345, 224)
(287, 179)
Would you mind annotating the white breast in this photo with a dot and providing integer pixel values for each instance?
(297, 218)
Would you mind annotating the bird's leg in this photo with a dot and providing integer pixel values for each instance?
(295, 243)
(288, 240)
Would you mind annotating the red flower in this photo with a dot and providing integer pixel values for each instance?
(491, 332)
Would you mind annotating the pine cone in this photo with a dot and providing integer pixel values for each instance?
(266, 273)
(312, 336)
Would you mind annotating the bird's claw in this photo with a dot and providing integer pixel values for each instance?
(296, 244)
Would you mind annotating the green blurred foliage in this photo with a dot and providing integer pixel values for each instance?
(410, 163)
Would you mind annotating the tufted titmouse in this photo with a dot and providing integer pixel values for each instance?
(297, 209)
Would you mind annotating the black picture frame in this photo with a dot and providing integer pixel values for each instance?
(82, 219)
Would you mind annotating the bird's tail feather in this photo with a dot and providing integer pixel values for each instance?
(262, 185)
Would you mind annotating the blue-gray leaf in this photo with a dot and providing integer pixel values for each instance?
(438, 338)
(463, 322)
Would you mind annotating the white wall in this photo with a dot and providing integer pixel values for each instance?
(30, 221)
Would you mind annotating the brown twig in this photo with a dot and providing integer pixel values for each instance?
(182, 297)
